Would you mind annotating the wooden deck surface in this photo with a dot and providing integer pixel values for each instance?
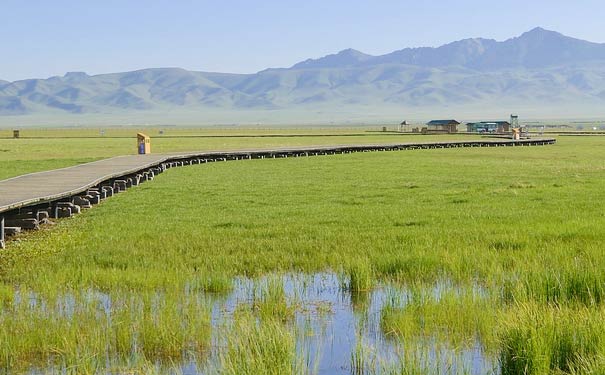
(56, 184)
(44, 186)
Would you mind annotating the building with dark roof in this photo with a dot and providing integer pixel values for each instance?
(443, 126)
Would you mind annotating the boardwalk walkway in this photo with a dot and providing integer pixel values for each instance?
(56, 191)
(55, 184)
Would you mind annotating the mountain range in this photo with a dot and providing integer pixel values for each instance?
(540, 68)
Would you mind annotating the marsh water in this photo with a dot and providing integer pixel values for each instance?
(338, 325)
(338, 332)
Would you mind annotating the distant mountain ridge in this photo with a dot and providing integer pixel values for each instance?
(537, 48)
(540, 66)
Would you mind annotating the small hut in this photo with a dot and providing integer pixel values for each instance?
(443, 126)
(404, 126)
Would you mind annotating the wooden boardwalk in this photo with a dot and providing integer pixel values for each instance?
(28, 200)
(55, 184)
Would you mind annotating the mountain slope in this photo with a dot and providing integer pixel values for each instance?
(347, 57)
(537, 48)
(540, 67)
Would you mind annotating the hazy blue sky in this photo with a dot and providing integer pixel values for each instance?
(41, 38)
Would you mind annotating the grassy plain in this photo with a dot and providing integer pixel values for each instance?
(43, 149)
(514, 234)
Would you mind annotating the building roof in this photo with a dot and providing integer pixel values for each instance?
(443, 122)
(489, 122)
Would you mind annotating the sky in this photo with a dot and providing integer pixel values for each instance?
(41, 38)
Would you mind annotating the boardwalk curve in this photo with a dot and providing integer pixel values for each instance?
(30, 200)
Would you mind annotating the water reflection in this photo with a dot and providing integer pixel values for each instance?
(338, 331)
(340, 326)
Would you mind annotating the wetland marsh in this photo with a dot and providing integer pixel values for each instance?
(464, 261)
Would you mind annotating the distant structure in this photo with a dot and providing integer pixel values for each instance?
(523, 129)
(488, 127)
(514, 121)
(16, 133)
(404, 126)
(442, 126)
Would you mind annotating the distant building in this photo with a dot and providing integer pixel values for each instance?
(443, 126)
(404, 126)
(488, 127)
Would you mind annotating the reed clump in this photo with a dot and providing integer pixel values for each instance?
(270, 302)
(569, 285)
(540, 339)
(456, 318)
(81, 331)
(253, 348)
(213, 283)
(361, 276)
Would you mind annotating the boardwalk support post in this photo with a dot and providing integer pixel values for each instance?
(2, 245)
(107, 191)
(81, 201)
(119, 186)
(28, 224)
(65, 209)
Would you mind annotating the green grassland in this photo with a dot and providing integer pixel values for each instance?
(43, 149)
(174, 131)
(516, 232)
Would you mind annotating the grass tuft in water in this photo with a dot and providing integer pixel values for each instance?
(219, 284)
(361, 276)
(458, 318)
(253, 348)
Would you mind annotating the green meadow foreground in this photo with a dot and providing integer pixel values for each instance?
(493, 251)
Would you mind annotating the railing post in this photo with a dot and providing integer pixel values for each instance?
(2, 232)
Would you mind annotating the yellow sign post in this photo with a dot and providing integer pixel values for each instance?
(516, 134)
(144, 144)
